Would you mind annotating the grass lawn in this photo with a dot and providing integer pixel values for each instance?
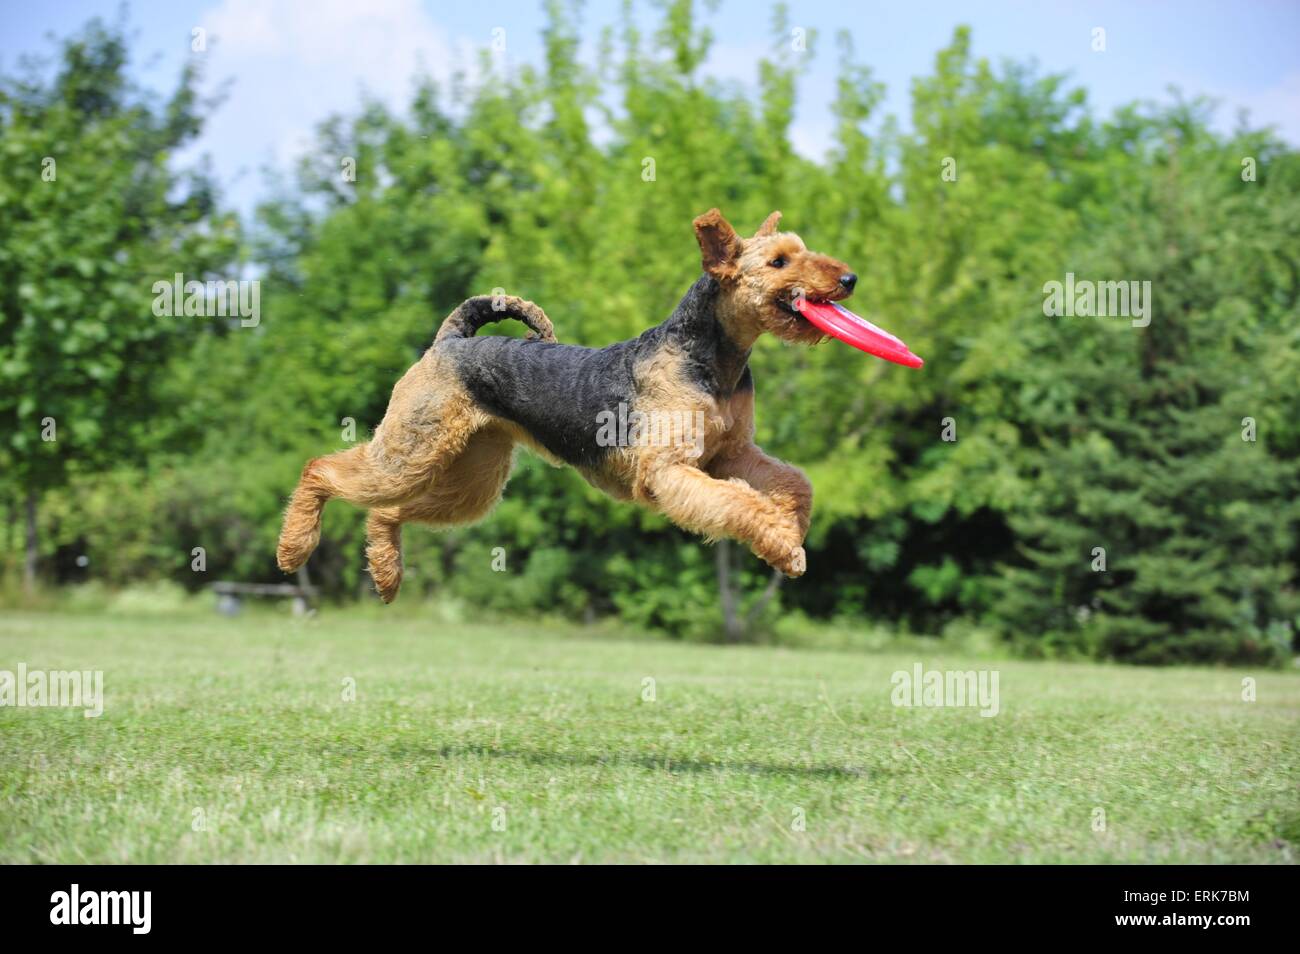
(510, 743)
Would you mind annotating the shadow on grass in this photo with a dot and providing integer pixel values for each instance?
(653, 763)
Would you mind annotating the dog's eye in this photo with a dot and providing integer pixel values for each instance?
(778, 262)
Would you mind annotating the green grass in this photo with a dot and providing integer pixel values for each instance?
(244, 721)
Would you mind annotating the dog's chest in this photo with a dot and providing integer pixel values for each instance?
(724, 422)
(725, 418)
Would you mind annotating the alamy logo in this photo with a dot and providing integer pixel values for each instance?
(1087, 299)
(193, 299)
(626, 428)
(103, 907)
(36, 688)
(941, 688)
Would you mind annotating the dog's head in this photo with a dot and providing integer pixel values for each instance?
(760, 277)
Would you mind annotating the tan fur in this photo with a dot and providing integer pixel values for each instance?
(438, 458)
(711, 494)
(751, 288)
(428, 425)
(738, 457)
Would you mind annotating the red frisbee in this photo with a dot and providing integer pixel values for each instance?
(838, 322)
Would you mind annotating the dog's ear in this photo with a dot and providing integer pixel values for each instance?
(719, 244)
(769, 225)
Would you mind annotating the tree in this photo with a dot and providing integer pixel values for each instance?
(91, 215)
(1160, 514)
(973, 491)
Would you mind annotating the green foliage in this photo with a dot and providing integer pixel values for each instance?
(1139, 438)
(91, 215)
(576, 188)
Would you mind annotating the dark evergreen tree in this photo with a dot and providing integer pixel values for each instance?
(1160, 522)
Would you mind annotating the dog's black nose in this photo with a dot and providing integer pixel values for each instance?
(848, 281)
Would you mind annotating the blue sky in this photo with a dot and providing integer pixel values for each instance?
(295, 61)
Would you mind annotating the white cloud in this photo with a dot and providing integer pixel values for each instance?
(294, 62)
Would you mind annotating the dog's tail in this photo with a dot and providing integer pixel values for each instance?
(482, 310)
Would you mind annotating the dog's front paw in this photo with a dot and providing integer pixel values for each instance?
(785, 555)
(794, 564)
(295, 546)
(781, 547)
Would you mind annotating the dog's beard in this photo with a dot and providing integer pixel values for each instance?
(789, 325)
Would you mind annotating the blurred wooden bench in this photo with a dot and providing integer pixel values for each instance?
(230, 596)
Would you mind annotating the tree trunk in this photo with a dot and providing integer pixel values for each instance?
(29, 559)
(755, 610)
(733, 629)
(734, 626)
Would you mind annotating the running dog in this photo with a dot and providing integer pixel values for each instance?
(444, 450)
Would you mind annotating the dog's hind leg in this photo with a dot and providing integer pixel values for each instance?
(300, 531)
(425, 429)
(470, 486)
(363, 476)
(463, 492)
(348, 474)
(384, 550)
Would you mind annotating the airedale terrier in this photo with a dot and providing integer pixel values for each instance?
(443, 452)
